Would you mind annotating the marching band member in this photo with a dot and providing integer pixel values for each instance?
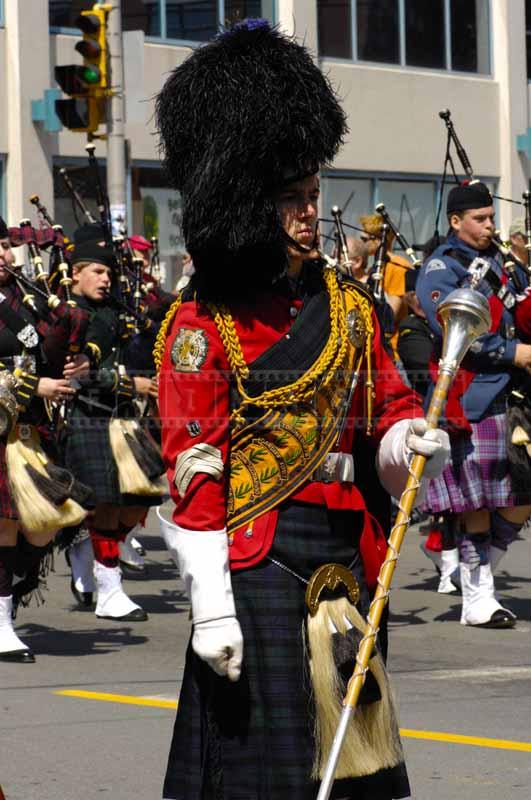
(260, 415)
(477, 484)
(96, 424)
(33, 502)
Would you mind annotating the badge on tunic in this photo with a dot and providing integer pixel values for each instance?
(357, 330)
(435, 296)
(189, 350)
(434, 265)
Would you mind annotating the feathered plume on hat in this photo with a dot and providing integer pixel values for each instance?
(239, 118)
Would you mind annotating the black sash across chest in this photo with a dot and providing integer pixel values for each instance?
(295, 352)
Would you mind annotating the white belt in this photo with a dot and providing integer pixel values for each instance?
(336, 467)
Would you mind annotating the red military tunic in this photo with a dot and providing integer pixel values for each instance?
(201, 397)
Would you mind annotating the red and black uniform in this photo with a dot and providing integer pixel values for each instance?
(272, 558)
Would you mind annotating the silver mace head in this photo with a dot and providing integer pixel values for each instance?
(464, 316)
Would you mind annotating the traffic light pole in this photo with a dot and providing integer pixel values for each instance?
(116, 167)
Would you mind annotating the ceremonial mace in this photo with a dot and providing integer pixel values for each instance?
(464, 316)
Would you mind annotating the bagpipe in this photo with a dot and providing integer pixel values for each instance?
(60, 324)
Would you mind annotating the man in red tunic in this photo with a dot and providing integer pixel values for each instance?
(265, 387)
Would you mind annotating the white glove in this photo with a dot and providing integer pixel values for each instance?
(430, 442)
(203, 560)
(397, 448)
(220, 644)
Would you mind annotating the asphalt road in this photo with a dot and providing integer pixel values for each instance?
(73, 726)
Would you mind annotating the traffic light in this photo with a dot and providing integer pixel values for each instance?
(87, 83)
(93, 47)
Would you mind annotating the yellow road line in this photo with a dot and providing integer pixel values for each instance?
(118, 698)
(475, 741)
(407, 733)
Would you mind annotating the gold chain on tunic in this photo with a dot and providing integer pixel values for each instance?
(322, 373)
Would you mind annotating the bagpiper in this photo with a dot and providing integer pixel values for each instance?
(36, 497)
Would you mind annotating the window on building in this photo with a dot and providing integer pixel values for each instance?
(194, 20)
(354, 196)
(241, 9)
(377, 23)
(136, 14)
(425, 45)
(441, 34)
(411, 205)
(187, 20)
(469, 23)
(334, 23)
(142, 15)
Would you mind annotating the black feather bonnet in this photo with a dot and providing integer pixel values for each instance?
(242, 116)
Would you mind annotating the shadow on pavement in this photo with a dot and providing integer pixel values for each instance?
(54, 642)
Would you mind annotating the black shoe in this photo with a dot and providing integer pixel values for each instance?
(137, 615)
(500, 619)
(133, 569)
(18, 657)
(83, 598)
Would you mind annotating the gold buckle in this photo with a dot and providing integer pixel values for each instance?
(330, 576)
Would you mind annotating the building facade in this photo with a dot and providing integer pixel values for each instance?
(395, 63)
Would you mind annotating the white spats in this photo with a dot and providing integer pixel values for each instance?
(113, 603)
(450, 579)
(480, 607)
(11, 647)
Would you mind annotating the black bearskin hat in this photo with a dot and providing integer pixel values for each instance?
(243, 115)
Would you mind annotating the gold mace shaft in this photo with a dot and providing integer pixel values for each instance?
(464, 315)
(393, 550)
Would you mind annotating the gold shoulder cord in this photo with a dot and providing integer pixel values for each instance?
(364, 306)
(321, 373)
(162, 335)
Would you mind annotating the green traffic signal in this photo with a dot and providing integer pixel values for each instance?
(90, 75)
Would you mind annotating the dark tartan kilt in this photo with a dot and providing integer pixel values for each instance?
(252, 740)
(87, 453)
(8, 509)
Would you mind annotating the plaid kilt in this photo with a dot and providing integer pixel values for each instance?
(478, 474)
(87, 453)
(253, 739)
(8, 509)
